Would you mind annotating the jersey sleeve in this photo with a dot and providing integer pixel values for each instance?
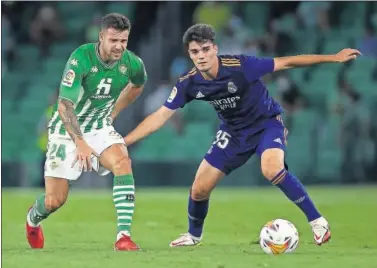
(178, 97)
(255, 67)
(70, 85)
(138, 74)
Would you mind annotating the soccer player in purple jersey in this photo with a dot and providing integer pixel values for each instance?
(250, 123)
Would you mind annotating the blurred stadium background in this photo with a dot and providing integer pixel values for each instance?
(329, 108)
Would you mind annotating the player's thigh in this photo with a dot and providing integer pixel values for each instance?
(228, 153)
(116, 159)
(272, 148)
(110, 145)
(56, 192)
(61, 153)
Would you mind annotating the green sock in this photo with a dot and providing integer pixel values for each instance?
(38, 212)
(124, 200)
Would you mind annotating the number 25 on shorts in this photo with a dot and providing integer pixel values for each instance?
(57, 150)
(222, 139)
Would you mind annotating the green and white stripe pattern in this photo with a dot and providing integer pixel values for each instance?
(124, 200)
(89, 116)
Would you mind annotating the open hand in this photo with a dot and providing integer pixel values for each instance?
(84, 156)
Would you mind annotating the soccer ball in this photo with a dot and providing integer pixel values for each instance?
(278, 236)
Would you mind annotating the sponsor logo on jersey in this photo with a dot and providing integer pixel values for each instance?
(232, 88)
(172, 95)
(123, 69)
(103, 89)
(69, 78)
(223, 104)
(101, 97)
(73, 62)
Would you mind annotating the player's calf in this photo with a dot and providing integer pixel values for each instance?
(273, 169)
(272, 161)
(205, 181)
(45, 204)
(123, 194)
(116, 159)
(54, 201)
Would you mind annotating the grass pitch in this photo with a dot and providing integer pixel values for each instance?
(82, 233)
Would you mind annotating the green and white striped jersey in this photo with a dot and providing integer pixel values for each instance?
(94, 86)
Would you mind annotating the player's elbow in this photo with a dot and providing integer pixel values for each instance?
(282, 63)
(64, 105)
(61, 107)
(139, 90)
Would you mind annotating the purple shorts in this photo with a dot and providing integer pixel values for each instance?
(232, 149)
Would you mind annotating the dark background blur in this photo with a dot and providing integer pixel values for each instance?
(329, 108)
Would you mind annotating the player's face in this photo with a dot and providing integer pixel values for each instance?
(204, 55)
(114, 43)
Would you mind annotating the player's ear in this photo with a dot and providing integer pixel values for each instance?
(216, 48)
(100, 36)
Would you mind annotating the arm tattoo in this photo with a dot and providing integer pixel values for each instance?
(69, 119)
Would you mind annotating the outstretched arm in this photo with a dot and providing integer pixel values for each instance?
(149, 125)
(129, 94)
(283, 63)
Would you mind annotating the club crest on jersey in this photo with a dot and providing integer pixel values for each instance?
(68, 78)
(123, 69)
(54, 165)
(232, 88)
(172, 94)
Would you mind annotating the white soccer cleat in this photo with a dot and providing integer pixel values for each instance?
(186, 239)
(321, 230)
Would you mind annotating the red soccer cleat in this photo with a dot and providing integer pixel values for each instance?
(34, 236)
(125, 244)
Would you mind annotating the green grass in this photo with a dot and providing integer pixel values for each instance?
(82, 233)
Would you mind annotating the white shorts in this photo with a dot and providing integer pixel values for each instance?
(61, 152)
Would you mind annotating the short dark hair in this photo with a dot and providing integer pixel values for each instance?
(117, 21)
(200, 33)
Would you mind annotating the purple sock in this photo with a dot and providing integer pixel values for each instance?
(295, 191)
(197, 212)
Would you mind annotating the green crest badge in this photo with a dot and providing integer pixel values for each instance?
(123, 69)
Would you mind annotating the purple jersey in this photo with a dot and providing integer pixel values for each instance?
(238, 95)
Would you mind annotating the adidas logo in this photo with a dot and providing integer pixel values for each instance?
(199, 95)
(278, 140)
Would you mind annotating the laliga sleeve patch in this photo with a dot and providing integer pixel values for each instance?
(172, 95)
(69, 78)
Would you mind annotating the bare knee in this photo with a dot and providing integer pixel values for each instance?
(271, 172)
(199, 193)
(272, 163)
(201, 189)
(122, 166)
(54, 201)
(205, 181)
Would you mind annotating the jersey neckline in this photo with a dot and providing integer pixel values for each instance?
(104, 64)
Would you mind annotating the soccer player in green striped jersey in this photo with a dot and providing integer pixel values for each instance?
(98, 82)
